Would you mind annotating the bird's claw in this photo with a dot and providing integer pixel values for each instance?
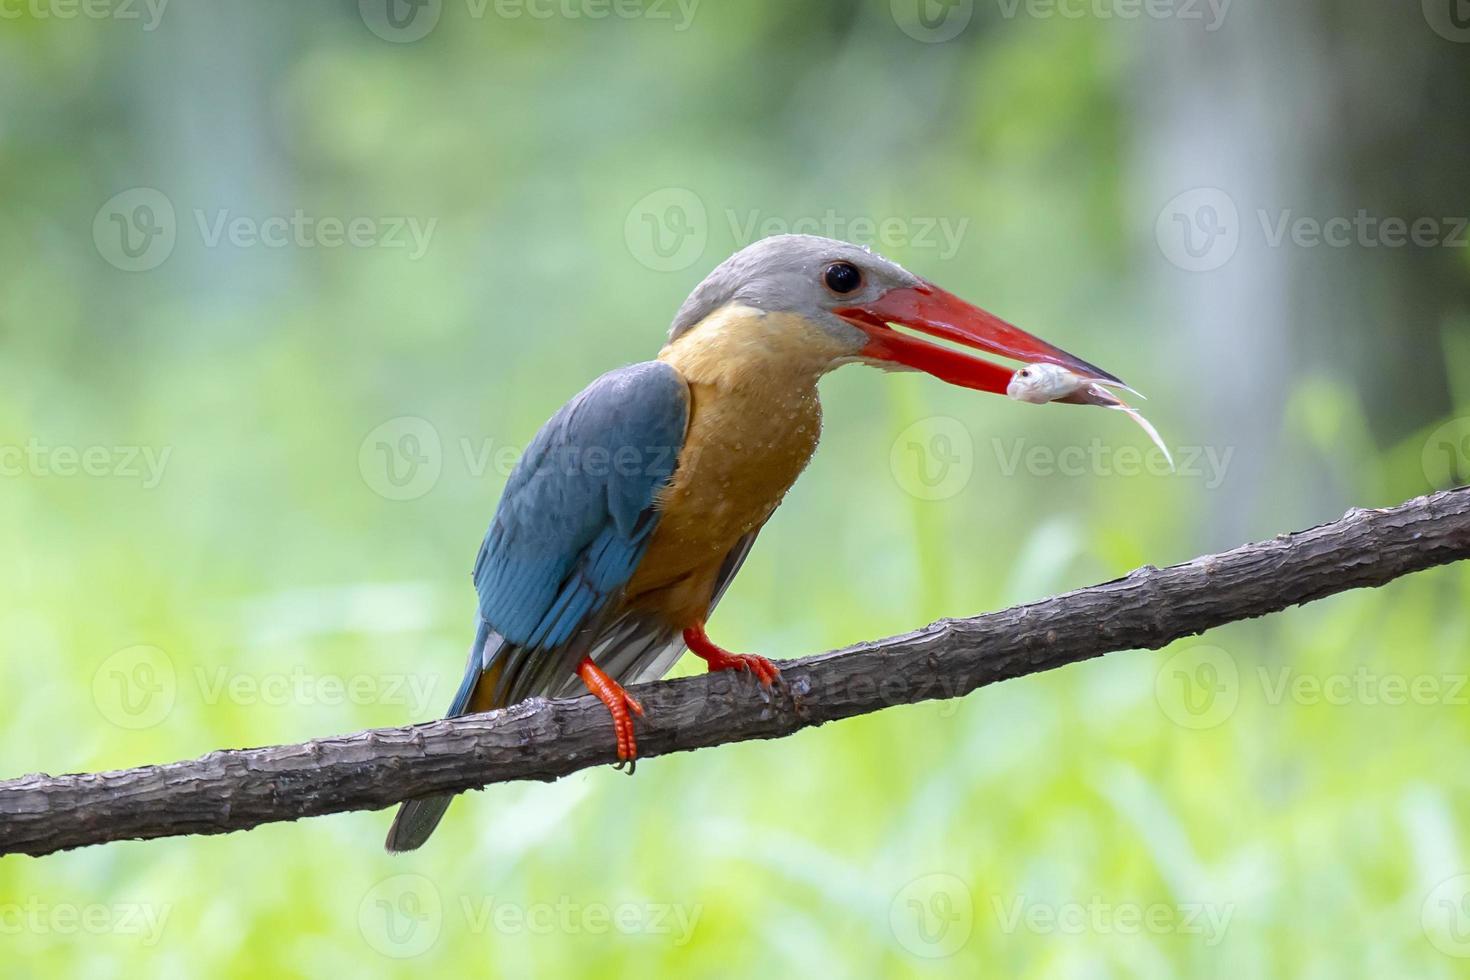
(622, 715)
(718, 658)
(765, 671)
(621, 705)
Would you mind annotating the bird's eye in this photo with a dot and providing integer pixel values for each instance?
(842, 277)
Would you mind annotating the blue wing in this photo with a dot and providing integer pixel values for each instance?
(571, 528)
(578, 511)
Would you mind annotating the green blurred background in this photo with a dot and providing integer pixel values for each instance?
(284, 286)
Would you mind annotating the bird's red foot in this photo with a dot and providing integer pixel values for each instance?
(620, 704)
(719, 658)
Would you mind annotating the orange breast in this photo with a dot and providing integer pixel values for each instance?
(754, 423)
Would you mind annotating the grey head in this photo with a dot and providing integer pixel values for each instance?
(794, 274)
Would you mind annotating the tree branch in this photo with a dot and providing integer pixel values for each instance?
(538, 739)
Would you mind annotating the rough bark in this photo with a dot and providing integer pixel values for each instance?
(241, 788)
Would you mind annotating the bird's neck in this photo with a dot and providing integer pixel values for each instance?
(738, 348)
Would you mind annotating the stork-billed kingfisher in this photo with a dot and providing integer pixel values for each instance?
(635, 505)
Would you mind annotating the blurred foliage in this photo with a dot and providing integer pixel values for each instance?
(280, 595)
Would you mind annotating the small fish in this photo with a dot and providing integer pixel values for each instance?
(1040, 383)
(1043, 382)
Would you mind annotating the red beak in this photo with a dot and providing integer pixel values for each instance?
(931, 310)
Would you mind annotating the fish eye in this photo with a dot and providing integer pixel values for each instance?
(842, 278)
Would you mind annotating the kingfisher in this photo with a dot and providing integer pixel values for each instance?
(635, 505)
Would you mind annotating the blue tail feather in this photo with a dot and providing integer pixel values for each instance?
(417, 819)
